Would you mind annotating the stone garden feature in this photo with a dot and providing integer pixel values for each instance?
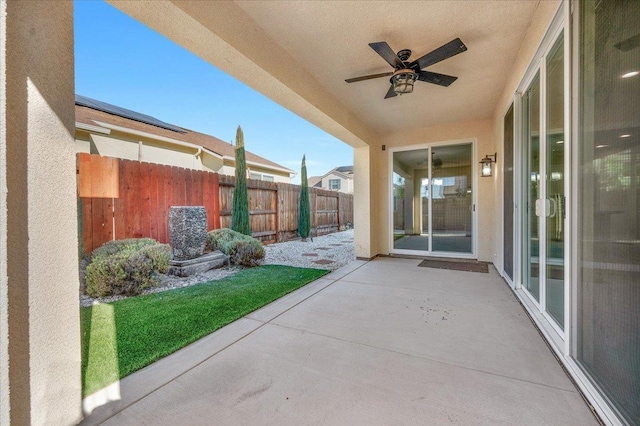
(188, 236)
(187, 231)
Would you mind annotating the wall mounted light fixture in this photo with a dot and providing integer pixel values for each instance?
(486, 164)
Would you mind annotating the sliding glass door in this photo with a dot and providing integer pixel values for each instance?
(555, 183)
(543, 186)
(433, 200)
(608, 197)
(531, 188)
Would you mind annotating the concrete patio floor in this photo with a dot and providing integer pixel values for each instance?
(379, 342)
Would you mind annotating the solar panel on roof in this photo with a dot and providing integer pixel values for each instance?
(345, 169)
(126, 113)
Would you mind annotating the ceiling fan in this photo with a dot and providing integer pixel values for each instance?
(406, 73)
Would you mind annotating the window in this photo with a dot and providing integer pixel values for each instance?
(334, 184)
(261, 176)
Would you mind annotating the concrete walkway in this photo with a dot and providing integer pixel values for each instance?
(381, 342)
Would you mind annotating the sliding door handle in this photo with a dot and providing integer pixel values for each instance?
(543, 207)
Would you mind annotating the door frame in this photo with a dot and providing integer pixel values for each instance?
(474, 199)
(537, 309)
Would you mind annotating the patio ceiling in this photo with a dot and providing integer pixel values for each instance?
(330, 40)
(299, 54)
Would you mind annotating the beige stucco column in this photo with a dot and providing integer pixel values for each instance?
(362, 202)
(39, 312)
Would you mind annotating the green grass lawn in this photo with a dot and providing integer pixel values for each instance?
(124, 336)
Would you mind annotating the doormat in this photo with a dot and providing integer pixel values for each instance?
(456, 266)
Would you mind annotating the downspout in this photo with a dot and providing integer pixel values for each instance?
(197, 155)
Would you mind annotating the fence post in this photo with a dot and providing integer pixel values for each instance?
(338, 211)
(216, 200)
(277, 211)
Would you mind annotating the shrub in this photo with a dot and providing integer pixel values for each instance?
(304, 210)
(241, 249)
(240, 212)
(247, 252)
(126, 267)
(222, 239)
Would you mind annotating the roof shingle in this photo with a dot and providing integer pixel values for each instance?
(91, 116)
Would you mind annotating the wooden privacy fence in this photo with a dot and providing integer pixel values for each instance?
(121, 199)
(130, 199)
(273, 209)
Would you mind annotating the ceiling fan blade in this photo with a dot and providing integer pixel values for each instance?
(440, 54)
(383, 49)
(435, 78)
(390, 93)
(368, 77)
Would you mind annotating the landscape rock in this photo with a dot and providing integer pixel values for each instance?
(187, 231)
(186, 268)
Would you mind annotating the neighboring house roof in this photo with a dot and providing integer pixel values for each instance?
(339, 174)
(344, 169)
(315, 181)
(94, 113)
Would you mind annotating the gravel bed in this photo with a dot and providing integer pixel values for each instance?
(336, 248)
(328, 252)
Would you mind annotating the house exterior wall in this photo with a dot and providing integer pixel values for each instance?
(120, 145)
(4, 305)
(346, 185)
(83, 142)
(480, 132)
(364, 221)
(277, 176)
(112, 147)
(211, 163)
(41, 382)
(227, 169)
(155, 153)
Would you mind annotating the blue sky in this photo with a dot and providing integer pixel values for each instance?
(122, 62)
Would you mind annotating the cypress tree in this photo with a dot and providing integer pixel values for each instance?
(240, 212)
(304, 212)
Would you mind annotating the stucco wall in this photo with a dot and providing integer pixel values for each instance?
(540, 22)
(155, 153)
(346, 185)
(83, 144)
(4, 331)
(482, 133)
(211, 163)
(120, 145)
(277, 176)
(41, 226)
(364, 215)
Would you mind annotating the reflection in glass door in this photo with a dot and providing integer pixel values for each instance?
(433, 199)
(554, 181)
(451, 199)
(531, 182)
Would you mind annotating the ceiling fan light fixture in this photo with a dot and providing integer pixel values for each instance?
(403, 81)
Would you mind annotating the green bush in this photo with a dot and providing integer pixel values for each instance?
(304, 209)
(247, 252)
(241, 249)
(240, 212)
(126, 267)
